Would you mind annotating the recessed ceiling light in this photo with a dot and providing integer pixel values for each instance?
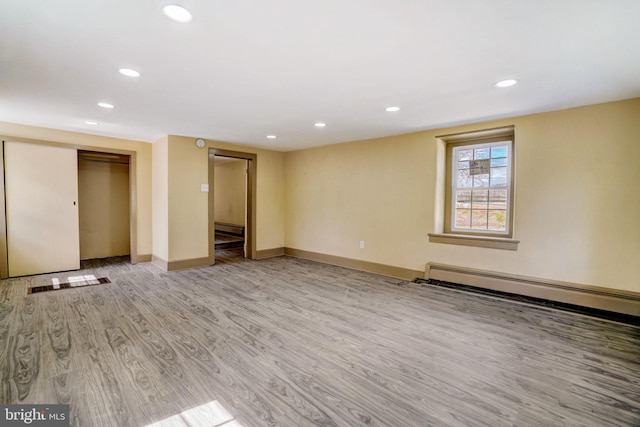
(105, 105)
(177, 13)
(506, 83)
(319, 124)
(129, 72)
(92, 123)
(271, 136)
(392, 109)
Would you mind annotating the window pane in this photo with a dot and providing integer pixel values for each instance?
(479, 220)
(498, 177)
(481, 153)
(481, 180)
(464, 179)
(498, 220)
(480, 199)
(498, 199)
(463, 199)
(465, 155)
(499, 162)
(480, 192)
(500, 151)
(463, 218)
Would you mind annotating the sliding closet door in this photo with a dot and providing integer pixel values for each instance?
(41, 185)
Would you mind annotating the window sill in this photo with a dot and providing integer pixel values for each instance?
(477, 241)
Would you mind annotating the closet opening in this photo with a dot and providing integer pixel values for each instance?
(104, 206)
(55, 198)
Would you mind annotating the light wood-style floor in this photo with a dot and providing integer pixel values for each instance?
(288, 342)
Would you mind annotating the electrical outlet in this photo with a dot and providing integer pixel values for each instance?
(361, 244)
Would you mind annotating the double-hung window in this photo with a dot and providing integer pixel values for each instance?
(478, 190)
(481, 188)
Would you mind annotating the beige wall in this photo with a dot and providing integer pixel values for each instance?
(142, 167)
(188, 205)
(103, 209)
(270, 200)
(230, 192)
(577, 198)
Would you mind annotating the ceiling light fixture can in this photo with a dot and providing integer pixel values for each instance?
(271, 136)
(319, 124)
(177, 13)
(90, 122)
(506, 83)
(129, 72)
(105, 105)
(392, 109)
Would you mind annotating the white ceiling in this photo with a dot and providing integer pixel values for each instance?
(243, 69)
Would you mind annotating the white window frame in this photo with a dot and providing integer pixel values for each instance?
(455, 189)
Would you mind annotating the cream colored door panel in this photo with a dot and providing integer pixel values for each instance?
(42, 213)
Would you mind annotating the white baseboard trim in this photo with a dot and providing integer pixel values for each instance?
(608, 299)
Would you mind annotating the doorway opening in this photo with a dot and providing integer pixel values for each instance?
(231, 202)
(230, 210)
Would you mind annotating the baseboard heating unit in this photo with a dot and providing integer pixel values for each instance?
(607, 303)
